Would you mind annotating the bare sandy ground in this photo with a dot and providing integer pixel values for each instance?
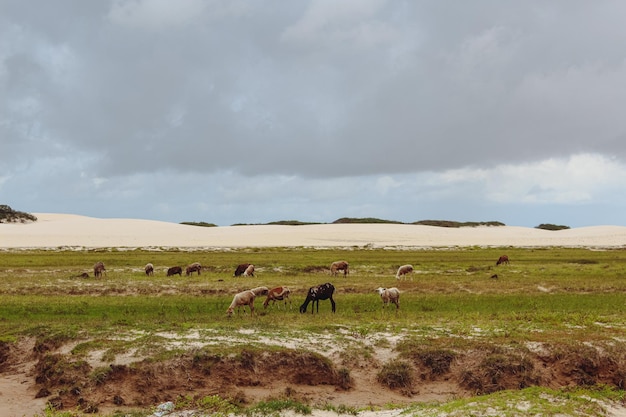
(61, 230)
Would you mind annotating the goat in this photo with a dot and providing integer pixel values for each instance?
(502, 260)
(278, 294)
(98, 269)
(149, 268)
(315, 294)
(404, 270)
(241, 268)
(246, 298)
(194, 267)
(389, 295)
(175, 270)
(249, 272)
(337, 266)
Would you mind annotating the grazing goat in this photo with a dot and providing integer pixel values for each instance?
(278, 294)
(149, 268)
(404, 270)
(249, 272)
(194, 267)
(241, 268)
(246, 298)
(389, 295)
(337, 266)
(98, 269)
(175, 270)
(502, 260)
(315, 294)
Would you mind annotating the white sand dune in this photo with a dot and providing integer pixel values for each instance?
(67, 230)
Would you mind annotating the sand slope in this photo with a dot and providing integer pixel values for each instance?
(58, 230)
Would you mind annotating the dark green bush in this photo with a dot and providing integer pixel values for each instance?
(548, 226)
(8, 215)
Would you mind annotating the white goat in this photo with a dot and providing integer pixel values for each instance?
(389, 295)
(246, 298)
(249, 272)
(404, 270)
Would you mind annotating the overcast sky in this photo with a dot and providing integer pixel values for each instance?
(230, 111)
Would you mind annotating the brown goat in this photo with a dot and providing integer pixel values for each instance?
(502, 260)
(278, 294)
(194, 267)
(404, 270)
(98, 269)
(337, 266)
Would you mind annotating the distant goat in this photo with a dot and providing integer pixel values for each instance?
(315, 294)
(337, 266)
(278, 294)
(246, 298)
(249, 272)
(149, 268)
(502, 260)
(241, 268)
(98, 269)
(175, 270)
(389, 295)
(403, 271)
(194, 267)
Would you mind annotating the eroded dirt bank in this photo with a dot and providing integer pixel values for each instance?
(36, 374)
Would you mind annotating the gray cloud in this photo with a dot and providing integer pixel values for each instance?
(313, 90)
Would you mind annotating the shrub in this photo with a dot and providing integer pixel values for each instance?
(547, 226)
(364, 220)
(396, 374)
(203, 224)
(8, 215)
(449, 223)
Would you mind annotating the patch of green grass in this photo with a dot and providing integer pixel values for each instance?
(276, 407)
(533, 401)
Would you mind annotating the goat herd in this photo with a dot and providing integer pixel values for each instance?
(314, 294)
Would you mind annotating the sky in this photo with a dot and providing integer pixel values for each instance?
(231, 111)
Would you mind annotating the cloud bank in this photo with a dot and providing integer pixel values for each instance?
(236, 111)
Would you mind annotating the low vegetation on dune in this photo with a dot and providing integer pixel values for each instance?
(202, 224)
(541, 335)
(374, 220)
(549, 226)
(8, 215)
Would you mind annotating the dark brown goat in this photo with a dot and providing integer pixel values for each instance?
(241, 268)
(502, 260)
(175, 270)
(98, 269)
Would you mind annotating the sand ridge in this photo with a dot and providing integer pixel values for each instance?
(69, 230)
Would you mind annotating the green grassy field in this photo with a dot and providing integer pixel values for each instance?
(552, 289)
(551, 295)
